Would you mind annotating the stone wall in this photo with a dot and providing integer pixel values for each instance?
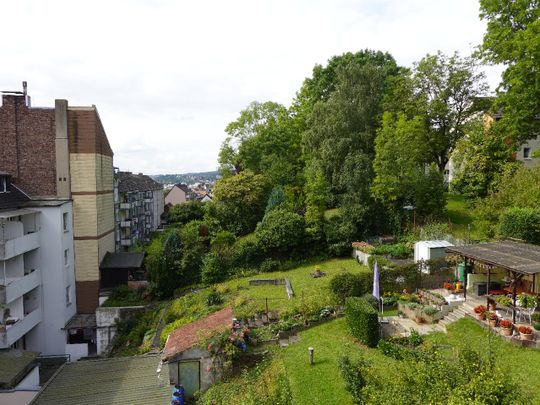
(106, 319)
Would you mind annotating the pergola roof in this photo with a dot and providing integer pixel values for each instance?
(514, 256)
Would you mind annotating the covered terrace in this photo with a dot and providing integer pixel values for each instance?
(514, 265)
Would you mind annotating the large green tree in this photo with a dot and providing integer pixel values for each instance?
(239, 202)
(265, 140)
(444, 92)
(513, 39)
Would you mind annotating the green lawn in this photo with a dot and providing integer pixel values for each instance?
(460, 217)
(306, 288)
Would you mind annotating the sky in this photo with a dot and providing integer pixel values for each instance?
(167, 76)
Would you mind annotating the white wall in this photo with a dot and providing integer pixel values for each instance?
(77, 350)
(31, 381)
(56, 277)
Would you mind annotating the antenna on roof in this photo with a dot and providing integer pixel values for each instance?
(25, 93)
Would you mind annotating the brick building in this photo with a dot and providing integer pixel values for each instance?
(63, 152)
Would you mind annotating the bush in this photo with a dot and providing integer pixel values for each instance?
(350, 285)
(269, 265)
(212, 271)
(521, 223)
(213, 298)
(181, 214)
(280, 230)
(352, 373)
(362, 320)
(247, 252)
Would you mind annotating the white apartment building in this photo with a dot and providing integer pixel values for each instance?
(37, 277)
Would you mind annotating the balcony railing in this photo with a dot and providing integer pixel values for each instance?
(125, 242)
(9, 334)
(125, 206)
(13, 288)
(125, 224)
(14, 247)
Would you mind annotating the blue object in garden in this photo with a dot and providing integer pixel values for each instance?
(241, 345)
(178, 394)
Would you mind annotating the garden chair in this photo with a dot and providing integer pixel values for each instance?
(526, 312)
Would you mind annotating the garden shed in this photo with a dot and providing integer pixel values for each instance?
(190, 365)
(430, 250)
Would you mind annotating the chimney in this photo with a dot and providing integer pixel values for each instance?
(27, 100)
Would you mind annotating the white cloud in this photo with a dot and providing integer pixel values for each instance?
(167, 76)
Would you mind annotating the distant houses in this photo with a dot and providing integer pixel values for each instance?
(182, 193)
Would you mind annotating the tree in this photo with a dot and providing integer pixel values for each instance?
(263, 139)
(181, 214)
(162, 263)
(480, 160)
(280, 230)
(443, 92)
(513, 39)
(276, 199)
(239, 201)
(402, 175)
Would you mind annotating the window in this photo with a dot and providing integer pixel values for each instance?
(66, 257)
(526, 153)
(65, 221)
(68, 295)
(3, 184)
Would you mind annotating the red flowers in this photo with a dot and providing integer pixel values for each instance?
(480, 309)
(526, 330)
(504, 323)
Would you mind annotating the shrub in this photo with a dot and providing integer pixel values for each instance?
(504, 300)
(247, 252)
(371, 300)
(521, 223)
(350, 285)
(213, 298)
(212, 271)
(362, 320)
(353, 376)
(527, 301)
(269, 265)
(280, 230)
(430, 311)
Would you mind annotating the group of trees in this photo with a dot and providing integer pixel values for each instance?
(362, 139)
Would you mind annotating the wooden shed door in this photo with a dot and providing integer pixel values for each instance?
(189, 376)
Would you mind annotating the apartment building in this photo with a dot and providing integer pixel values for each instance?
(139, 203)
(37, 277)
(63, 153)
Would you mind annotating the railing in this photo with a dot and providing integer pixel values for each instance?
(17, 246)
(17, 287)
(125, 224)
(10, 334)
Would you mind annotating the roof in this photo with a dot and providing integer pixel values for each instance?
(14, 366)
(122, 260)
(14, 197)
(435, 243)
(183, 187)
(514, 256)
(81, 321)
(128, 182)
(189, 335)
(114, 381)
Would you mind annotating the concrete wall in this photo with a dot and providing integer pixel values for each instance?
(533, 145)
(158, 206)
(106, 318)
(31, 381)
(76, 351)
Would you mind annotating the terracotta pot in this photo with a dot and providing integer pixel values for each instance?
(506, 331)
(492, 307)
(480, 317)
(526, 336)
(492, 323)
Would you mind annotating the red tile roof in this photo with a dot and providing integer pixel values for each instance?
(187, 336)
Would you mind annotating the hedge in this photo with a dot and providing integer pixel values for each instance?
(350, 285)
(362, 320)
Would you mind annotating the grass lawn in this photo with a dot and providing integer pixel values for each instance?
(460, 216)
(306, 288)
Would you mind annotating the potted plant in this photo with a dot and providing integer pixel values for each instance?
(504, 301)
(536, 321)
(448, 286)
(491, 317)
(525, 332)
(480, 310)
(506, 327)
(527, 301)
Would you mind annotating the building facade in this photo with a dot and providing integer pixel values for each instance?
(139, 204)
(37, 277)
(179, 194)
(63, 153)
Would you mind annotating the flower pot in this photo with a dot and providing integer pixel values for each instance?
(536, 325)
(506, 331)
(492, 323)
(480, 316)
(492, 307)
(526, 336)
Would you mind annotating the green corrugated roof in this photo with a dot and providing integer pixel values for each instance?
(14, 365)
(125, 380)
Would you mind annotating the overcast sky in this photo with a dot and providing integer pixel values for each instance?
(167, 76)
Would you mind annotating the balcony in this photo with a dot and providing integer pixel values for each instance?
(13, 288)
(125, 206)
(17, 246)
(125, 224)
(9, 334)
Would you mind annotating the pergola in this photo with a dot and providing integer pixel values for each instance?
(518, 259)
